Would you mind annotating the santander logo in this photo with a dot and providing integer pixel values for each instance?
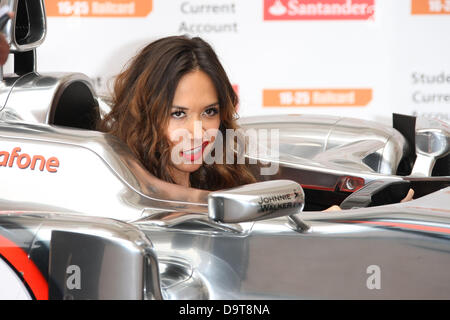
(25, 161)
(318, 9)
(277, 9)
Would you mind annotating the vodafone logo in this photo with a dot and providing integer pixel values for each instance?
(318, 9)
(25, 161)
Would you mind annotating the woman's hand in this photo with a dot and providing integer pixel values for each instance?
(4, 49)
(4, 45)
(409, 196)
(333, 208)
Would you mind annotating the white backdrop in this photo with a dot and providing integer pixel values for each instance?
(361, 58)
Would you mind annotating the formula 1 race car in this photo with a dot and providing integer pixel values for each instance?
(81, 218)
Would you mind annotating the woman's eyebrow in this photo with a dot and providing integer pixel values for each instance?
(211, 105)
(208, 106)
(180, 107)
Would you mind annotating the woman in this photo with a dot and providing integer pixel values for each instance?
(177, 84)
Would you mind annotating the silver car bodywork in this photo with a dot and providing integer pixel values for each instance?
(72, 197)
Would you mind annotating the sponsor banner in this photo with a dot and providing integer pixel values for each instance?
(431, 88)
(263, 46)
(99, 8)
(236, 89)
(430, 7)
(316, 97)
(430, 94)
(201, 17)
(318, 9)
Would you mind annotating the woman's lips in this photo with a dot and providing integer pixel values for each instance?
(194, 153)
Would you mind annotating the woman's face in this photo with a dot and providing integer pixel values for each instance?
(193, 122)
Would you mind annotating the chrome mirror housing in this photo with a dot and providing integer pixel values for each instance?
(63, 99)
(432, 143)
(256, 201)
(28, 27)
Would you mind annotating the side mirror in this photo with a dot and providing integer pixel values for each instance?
(28, 28)
(256, 201)
(432, 143)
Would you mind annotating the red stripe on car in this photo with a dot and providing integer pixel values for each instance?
(405, 226)
(20, 261)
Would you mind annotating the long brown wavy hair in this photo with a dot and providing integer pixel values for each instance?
(142, 102)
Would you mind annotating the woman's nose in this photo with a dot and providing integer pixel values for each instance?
(196, 129)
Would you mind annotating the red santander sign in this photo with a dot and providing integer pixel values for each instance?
(318, 9)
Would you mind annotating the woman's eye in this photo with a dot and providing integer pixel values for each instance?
(177, 114)
(211, 112)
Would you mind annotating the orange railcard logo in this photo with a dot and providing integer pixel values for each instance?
(430, 7)
(98, 8)
(316, 97)
(318, 9)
